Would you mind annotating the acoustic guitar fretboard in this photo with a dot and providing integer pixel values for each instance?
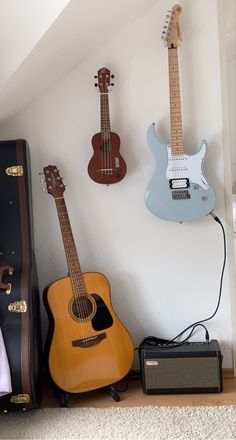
(75, 272)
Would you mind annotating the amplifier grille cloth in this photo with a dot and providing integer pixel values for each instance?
(191, 372)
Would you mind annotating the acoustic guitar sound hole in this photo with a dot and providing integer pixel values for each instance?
(82, 308)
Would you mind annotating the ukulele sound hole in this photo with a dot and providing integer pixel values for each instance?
(106, 147)
(82, 308)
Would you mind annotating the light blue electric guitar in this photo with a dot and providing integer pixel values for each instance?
(178, 190)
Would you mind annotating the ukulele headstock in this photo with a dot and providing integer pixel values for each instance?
(171, 34)
(104, 80)
(53, 180)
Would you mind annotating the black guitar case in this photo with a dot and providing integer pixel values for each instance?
(19, 295)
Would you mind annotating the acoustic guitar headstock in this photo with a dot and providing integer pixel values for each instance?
(53, 180)
(104, 80)
(171, 34)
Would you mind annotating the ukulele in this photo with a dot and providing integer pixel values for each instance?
(89, 347)
(107, 165)
(178, 190)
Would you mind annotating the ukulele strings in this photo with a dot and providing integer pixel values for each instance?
(108, 137)
(106, 140)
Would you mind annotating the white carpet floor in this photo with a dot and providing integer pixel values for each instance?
(152, 423)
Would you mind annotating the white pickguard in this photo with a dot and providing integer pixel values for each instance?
(189, 167)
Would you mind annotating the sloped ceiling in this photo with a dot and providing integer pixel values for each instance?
(81, 28)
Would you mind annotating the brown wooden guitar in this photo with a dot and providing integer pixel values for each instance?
(89, 346)
(107, 165)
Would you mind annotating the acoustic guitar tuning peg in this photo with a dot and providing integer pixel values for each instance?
(112, 76)
(96, 84)
(112, 84)
(42, 180)
(43, 189)
(95, 76)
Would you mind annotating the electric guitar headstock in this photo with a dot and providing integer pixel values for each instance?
(104, 80)
(53, 180)
(171, 34)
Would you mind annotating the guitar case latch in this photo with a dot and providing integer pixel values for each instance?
(15, 170)
(20, 398)
(18, 307)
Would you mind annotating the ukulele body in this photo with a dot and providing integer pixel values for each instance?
(88, 346)
(106, 165)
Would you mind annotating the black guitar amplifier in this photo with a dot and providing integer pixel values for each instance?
(194, 367)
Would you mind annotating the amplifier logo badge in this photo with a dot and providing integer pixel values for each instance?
(152, 363)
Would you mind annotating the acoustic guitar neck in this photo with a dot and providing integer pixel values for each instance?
(56, 188)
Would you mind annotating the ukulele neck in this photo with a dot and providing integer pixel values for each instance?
(105, 117)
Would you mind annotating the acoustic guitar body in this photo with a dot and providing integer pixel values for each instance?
(89, 347)
(107, 165)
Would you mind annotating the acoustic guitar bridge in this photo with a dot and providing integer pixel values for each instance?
(89, 341)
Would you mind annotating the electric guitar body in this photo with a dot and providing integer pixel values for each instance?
(89, 346)
(106, 166)
(164, 198)
(178, 190)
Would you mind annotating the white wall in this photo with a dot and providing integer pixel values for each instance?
(163, 275)
(22, 24)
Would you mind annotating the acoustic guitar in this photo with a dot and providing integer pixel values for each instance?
(89, 346)
(106, 165)
(178, 190)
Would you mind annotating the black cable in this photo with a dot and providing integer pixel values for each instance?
(154, 341)
(220, 289)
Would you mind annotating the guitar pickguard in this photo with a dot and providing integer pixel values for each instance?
(186, 167)
(102, 318)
